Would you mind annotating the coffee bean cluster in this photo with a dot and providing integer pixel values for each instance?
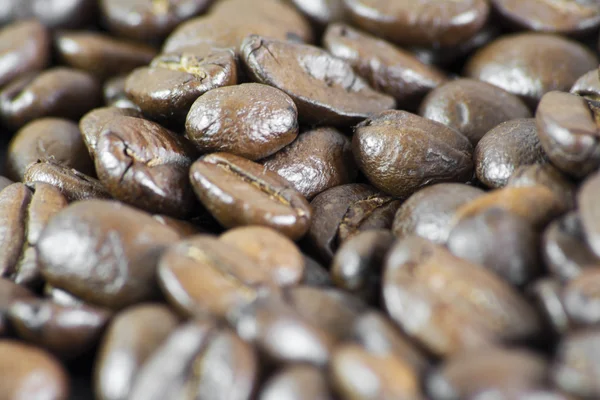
(299, 200)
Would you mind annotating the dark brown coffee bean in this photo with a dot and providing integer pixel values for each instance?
(115, 94)
(168, 87)
(401, 152)
(239, 192)
(148, 20)
(429, 212)
(588, 86)
(513, 64)
(99, 54)
(576, 368)
(581, 297)
(29, 372)
(270, 250)
(92, 124)
(59, 14)
(472, 107)
(249, 120)
(24, 48)
(112, 254)
(322, 12)
(589, 212)
(296, 382)
(325, 89)
(315, 274)
(505, 148)
(501, 241)
(570, 17)
(183, 228)
(387, 68)
(66, 331)
(344, 211)
(132, 336)
(53, 139)
(568, 127)
(435, 24)
(14, 201)
(143, 164)
(564, 248)
(316, 161)
(448, 304)
(72, 184)
(10, 293)
(547, 296)
(467, 374)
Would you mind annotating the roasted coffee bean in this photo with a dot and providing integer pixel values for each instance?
(115, 94)
(387, 69)
(448, 304)
(240, 192)
(112, 255)
(564, 248)
(183, 228)
(505, 148)
(589, 212)
(61, 297)
(132, 336)
(576, 369)
(143, 164)
(24, 48)
(249, 120)
(52, 13)
(315, 274)
(570, 17)
(581, 298)
(325, 89)
(547, 295)
(101, 55)
(322, 12)
(53, 139)
(588, 86)
(435, 24)
(66, 331)
(389, 376)
(4, 182)
(10, 293)
(472, 107)
(317, 160)
(513, 63)
(270, 250)
(296, 382)
(472, 372)
(508, 392)
(568, 128)
(92, 124)
(401, 152)
(344, 211)
(501, 241)
(72, 184)
(57, 92)
(429, 212)
(148, 20)
(31, 373)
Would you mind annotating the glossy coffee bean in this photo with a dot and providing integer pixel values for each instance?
(513, 64)
(588, 212)
(386, 68)
(576, 364)
(61, 297)
(472, 107)
(344, 211)
(322, 12)
(168, 87)
(581, 298)
(183, 228)
(56, 14)
(501, 241)
(474, 309)
(296, 382)
(115, 94)
(57, 92)
(239, 192)
(588, 86)
(325, 89)
(99, 54)
(429, 23)
(24, 48)
(568, 128)
(317, 160)
(143, 164)
(270, 250)
(30, 373)
(401, 152)
(10, 292)
(112, 254)
(505, 148)
(53, 139)
(249, 120)
(133, 335)
(429, 212)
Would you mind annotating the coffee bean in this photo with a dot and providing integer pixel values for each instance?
(115, 94)
(387, 69)
(513, 64)
(58, 14)
(588, 86)
(132, 337)
(4, 182)
(401, 152)
(548, 298)
(429, 212)
(239, 192)
(183, 228)
(53, 139)
(112, 255)
(588, 212)
(10, 293)
(322, 12)
(61, 297)
(317, 160)
(315, 274)
(581, 298)
(325, 89)
(576, 364)
(249, 120)
(296, 382)
(472, 107)
(92, 124)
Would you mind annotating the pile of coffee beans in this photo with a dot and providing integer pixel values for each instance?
(299, 199)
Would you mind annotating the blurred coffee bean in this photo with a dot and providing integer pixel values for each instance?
(576, 369)
(296, 382)
(588, 86)
(548, 299)
(183, 228)
(589, 212)
(322, 12)
(581, 297)
(4, 182)
(56, 14)
(61, 297)
(10, 293)
(115, 94)
(315, 274)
